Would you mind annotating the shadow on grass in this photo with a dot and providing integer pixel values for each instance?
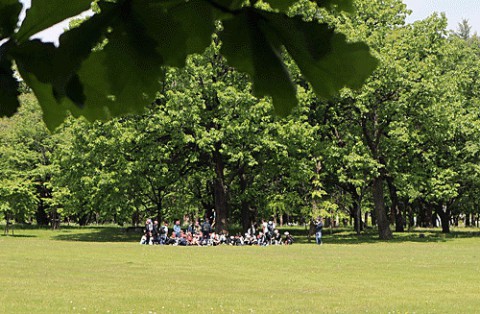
(342, 236)
(18, 235)
(97, 234)
(347, 236)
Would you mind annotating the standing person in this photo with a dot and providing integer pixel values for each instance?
(163, 232)
(156, 232)
(270, 230)
(206, 228)
(264, 226)
(148, 230)
(177, 228)
(318, 230)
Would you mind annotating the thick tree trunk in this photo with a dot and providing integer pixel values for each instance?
(384, 231)
(467, 220)
(220, 192)
(84, 219)
(41, 215)
(159, 210)
(444, 213)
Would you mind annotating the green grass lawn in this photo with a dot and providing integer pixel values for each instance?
(90, 270)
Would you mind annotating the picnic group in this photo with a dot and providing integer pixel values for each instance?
(203, 234)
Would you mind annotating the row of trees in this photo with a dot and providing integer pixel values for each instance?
(404, 148)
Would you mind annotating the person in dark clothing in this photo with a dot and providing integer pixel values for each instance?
(148, 231)
(206, 229)
(155, 233)
(288, 240)
(318, 230)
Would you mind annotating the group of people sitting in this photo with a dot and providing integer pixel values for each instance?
(202, 234)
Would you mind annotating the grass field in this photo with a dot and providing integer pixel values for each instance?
(102, 270)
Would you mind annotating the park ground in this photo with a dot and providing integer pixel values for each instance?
(104, 270)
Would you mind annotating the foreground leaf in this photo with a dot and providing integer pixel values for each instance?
(325, 58)
(8, 89)
(178, 31)
(54, 112)
(252, 42)
(248, 46)
(45, 13)
(123, 77)
(9, 11)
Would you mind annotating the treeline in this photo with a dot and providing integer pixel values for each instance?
(401, 151)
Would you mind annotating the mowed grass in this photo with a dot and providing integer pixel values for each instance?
(79, 270)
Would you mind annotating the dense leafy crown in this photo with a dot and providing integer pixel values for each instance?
(141, 36)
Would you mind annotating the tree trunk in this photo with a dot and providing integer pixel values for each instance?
(41, 215)
(7, 225)
(357, 217)
(433, 218)
(395, 209)
(245, 205)
(220, 192)
(444, 212)
(467, 220)
(411, 217)
(384, 231)
(159, 210)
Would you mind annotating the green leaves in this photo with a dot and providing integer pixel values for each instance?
(341, 5)
(8, 88)
(253, 41)
(281, 5)
(122, 77)
(183, 29)
(140, 37)
(9, 11)
(325, 58)
(250, 47)
(45, 13)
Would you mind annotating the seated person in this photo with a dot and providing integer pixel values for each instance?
(223, 237)
(277, 237)
(288, 240)
(172, 240)
(261, 239)
(182, 239)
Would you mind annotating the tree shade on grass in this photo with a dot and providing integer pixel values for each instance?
(43, 275)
